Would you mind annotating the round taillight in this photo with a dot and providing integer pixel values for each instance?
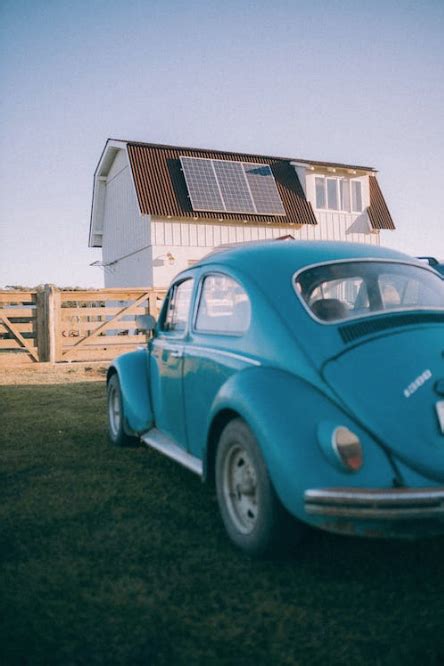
(348, 448)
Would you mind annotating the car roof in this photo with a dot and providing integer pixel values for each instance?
(296, 254)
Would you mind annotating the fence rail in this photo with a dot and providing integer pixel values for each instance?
(48, 324)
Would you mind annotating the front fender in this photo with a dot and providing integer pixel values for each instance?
(285, 413)
(132, 369)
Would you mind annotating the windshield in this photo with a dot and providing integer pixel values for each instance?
(340, 291)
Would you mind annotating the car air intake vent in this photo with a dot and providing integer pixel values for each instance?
(361, 329)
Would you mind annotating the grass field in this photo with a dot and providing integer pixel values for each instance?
(113, 556)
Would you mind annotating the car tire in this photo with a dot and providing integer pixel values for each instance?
(253, 516)
(116, 415)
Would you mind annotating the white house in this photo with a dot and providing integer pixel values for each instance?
(158, 209)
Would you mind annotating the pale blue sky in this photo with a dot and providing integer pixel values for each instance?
(348, 81)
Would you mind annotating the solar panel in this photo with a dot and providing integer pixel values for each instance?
(202, 184)
(263, 189)
(234, 187)
(231, 187)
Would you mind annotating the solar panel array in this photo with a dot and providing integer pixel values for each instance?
(231, 187)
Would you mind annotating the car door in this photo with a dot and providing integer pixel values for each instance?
(166, 362)
(217, 347)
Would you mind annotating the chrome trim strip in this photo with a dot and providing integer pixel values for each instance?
(190, 348)
(160, 442)
(221, 352)
(392, 495)
(390, 503)
(168, 345)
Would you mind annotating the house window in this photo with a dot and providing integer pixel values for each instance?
(320, 192)
(338, 194)
(356, 196)
(344, 189)
(332, 193)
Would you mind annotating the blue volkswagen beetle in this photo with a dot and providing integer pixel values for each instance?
(306, 381)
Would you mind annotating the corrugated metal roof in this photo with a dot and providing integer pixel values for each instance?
(334, 165)
(378, 212)
(161, 188)
(300, 160)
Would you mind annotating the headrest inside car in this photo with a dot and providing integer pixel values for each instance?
(329, 309)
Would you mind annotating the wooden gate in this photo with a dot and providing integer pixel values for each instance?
(19, 327)
(48, 324)
(100, 325)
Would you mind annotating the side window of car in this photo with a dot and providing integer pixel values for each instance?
(224, 306)
(179, 301)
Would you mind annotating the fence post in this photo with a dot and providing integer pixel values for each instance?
(55, 316)
(42, 337)
(50, 296)
(152, 303)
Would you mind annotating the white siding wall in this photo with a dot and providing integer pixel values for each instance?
(126, 234)
(190, 241)
(352, 227)
(133, 271)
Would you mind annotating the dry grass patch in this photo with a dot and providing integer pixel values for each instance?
(53, 373)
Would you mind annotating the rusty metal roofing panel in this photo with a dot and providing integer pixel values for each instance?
(378, 212)
(222, 153)
(161, 188)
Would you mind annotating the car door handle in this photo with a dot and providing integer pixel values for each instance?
(176, 353)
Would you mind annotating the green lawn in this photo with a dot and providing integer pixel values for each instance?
(118, 556)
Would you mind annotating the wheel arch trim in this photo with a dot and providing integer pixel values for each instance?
(132, 370)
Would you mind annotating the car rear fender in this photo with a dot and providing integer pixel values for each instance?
(285, 414)
(132, 370)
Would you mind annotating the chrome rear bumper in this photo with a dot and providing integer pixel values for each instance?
(376, 503)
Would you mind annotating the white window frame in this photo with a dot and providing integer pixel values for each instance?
(338, 180)
(358, 182)
(322, 178)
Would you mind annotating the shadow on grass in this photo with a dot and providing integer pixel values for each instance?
(118, 556)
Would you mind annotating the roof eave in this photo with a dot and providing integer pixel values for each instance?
(101, 171)
(351, 169)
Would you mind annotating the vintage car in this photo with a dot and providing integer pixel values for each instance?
(306, 381)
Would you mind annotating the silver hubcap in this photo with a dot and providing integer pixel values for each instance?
(240, 489)
(114, 410)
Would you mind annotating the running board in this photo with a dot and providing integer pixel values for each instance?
(160, 442)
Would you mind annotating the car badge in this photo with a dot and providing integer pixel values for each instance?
(440, 412)
(417, 383)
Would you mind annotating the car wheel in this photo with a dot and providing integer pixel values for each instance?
(253, 516)
(116, 431)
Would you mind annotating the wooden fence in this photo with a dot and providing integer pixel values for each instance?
(48, 324)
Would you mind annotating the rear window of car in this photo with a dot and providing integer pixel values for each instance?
(344, 290)
(224, 306)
